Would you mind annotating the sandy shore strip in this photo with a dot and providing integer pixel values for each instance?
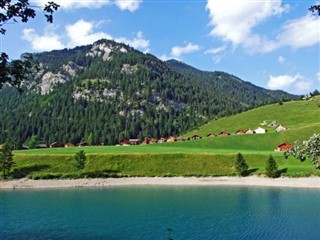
(309, 182)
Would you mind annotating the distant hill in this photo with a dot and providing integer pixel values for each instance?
(227, 86)
(108, 91)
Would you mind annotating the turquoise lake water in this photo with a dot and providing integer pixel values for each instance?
(160, 213)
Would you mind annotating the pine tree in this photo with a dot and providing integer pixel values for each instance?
(6, 160)
(272, 168)
(240, 165)
(80, 158)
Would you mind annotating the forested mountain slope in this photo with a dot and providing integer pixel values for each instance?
(107, 91)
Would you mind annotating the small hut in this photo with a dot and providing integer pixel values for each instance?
(134, 141)
(211, 135)
(145, 141)
(69, 145)
(162, 140)
(153, 141)
(280, 128)
(284, 147)
(224, 133)
(260, 130)
(171, 139)
(55, 145)
(124, 142)
(240, 132)
(196, 137)
(42, 145)
(250, 131)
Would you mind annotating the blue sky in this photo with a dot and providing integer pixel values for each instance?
(274, 44)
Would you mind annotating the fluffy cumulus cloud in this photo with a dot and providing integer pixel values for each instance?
(178, 51)
(71, 4)
(299, 33)
(295, 84)
(46, 42)
(131, 5)
(236, 24)
(234, 20)
(80, 33)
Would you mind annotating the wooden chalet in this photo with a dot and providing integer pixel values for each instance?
(83, 144)
(42, 145)
(145, 141)
(171, 139)
(224, 133)
(125, 142)
(211, 135)
(162, 140)
(69, 145)
(55, 145)
(182, 139)
(195, 137)
(250, 131)
(240, 132)
(284, 147)
(153, 141)
(260, 130)
(134, 141)
(280, 128)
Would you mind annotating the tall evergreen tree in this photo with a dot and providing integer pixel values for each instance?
(272, 167)
(240, 165)
(6, 160)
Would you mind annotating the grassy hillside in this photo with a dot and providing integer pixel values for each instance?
(302, 118)
(205, 157)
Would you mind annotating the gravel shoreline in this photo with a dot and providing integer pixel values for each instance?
(309, 182)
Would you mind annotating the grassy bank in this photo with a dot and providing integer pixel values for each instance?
(162, 165)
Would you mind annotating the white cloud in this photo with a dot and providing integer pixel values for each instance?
(282, 81)
(177, 51)
(71, 4)
(234, 20)
(215, 50)
(301, 32)
(296, 84)
(281, 59)
(46, 42)
(318, 76)
(131, 5)
(138, 42)
(82, 33)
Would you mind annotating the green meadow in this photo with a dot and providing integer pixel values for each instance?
(205, 157)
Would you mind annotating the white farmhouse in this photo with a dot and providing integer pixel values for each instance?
(260, 130)
(280, 128)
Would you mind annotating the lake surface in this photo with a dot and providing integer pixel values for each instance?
(160, 213)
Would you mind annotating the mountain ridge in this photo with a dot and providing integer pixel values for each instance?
(107, 91)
